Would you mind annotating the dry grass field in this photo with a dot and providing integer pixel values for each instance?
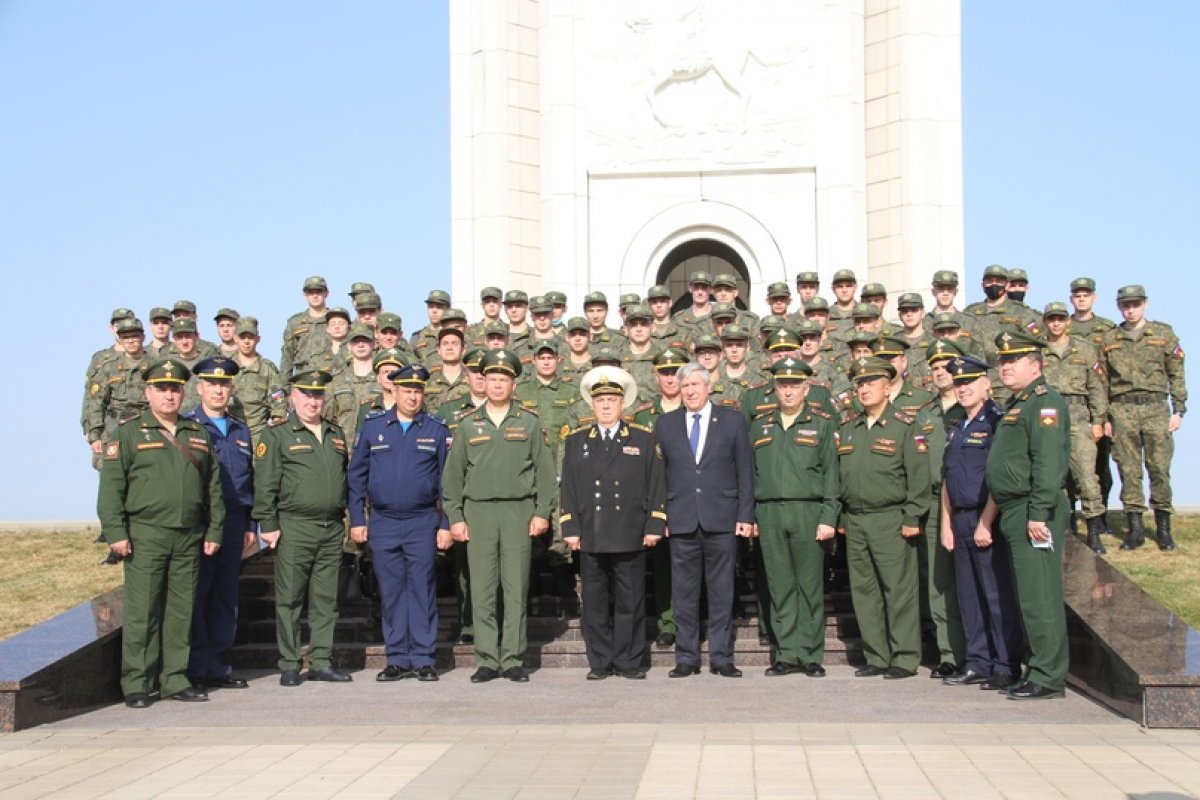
(1171, 578)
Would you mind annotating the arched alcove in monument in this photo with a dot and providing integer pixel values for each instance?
(701, 255)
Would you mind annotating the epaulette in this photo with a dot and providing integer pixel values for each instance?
(373, 413)
(526, 409)
(1040, 389)
(902, 417)
(572, 431)
(129, 418)
(276, 422)
(639, 426)
(816, 412)
(434, 368)
(437, 419)
(850, 415)
(644, 407)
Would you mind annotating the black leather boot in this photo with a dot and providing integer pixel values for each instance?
(1162, 527)
(1137, 534)
(1095, 527)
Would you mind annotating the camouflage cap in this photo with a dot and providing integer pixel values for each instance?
(368, 301)
(1132, 292)
(360, 287)
(945, 277)
(792, 369)
(595, 298)
(540, 304)
(1083, 285)
(945, 321)
(638, 312)
(501, 361)
(705, 342)
(411, 375)
(889, 347)
(1055, 309)
(657, 292)
(844, 276)
(942, 350)
(515, 297)
(629, 299)
(124, 313)
(183, 325)
(808, 328)
(778, 289)
(454, 315)
(473, 358)
(246, 325)
(578, 324)
(864, 338)
(604, 354)
(870, 368)
(1013, 344)
(545, 345)
(315, 282)
(1018, 275)
(817, 304)
(361, 330)
(388, 357)
(438, 297)
(557, 298)
(129, 325)
(165, 370)
(966, 369)
(700, 278)
(158, 312)
(873, 290)
(216, 368)
(388, 320)
(808, 277)
(995, 271)
(227, 313)
(782, 339)
(865, 311)
(724, 280)
(337, 311)
(771, 322)
(491, 293)
(723, 311)
(670, 360)
(735, 333)
(910, 300)
(187, 306)
(496, 328)
(312, 381)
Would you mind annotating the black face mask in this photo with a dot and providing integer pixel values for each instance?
(1017, 294)
(994, 291)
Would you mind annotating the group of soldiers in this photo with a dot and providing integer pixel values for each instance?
(1120, 383)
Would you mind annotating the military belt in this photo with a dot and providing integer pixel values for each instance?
(1140, 398)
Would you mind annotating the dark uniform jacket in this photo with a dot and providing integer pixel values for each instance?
(398, 472)
(612, 495)
(234, 456)
(1031, 451)
(718, 492)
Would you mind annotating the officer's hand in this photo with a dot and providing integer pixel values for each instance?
(744, 529)
(124, 548)
(444, 539)
(650, 541)
(1097, 433)
(96, 446)
(825, 533)
(271, 538)
(538, 526)
(909, 531)
(1038, 532)
(572, 542)
(983, 536)
(459, 532)
(1108, 429)
(211, 548)
(754, 531)
(1174, 424)
(666, 531)
(947, 538)
(358, 533)
(249, 542)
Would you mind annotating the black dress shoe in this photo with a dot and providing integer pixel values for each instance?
(393, 672)
(869, 671)
(684, 671)
(289, 677)
(898, 673)
(635, 674)
(426, 674)
(517, 674)
(484, 674)
(328, 674)
(191, 695)
(998, 683)
(780, 668)
(943, 670)
(1033, 691)
(597, 674)
(466, 638)
(226, 682)
(137, 700)
(726, 671)
(814, 670)
(967, 677)
(665, 639)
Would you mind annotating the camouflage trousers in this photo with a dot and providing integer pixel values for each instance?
(1140, 436)
(1082, 481)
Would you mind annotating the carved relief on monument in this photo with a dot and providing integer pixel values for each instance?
(684, 81)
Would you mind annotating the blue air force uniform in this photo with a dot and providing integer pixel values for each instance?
(399, 472)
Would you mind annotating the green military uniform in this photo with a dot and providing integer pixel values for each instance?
(885, 485)
(452, 412)
(1026, 471)
(115, 393)
(164, 503)
(796, 488)
(439, 389)
(259, 389)
(300, 490)
(496, 479)
(302, 332)
(1145, 368)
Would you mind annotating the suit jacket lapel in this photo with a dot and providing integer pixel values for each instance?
(609, 453)
(710, 435)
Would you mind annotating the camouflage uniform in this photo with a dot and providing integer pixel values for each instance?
(261, 393)
(1074, 369)
(303, 335)
(115, 393)
(347, 392)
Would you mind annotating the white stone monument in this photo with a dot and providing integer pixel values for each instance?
(614, 144)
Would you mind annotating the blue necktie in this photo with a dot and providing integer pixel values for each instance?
(694, 437)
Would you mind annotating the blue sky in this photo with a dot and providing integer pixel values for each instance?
(221, 151)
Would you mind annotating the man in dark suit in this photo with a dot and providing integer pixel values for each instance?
(710, 497)
(612, 493)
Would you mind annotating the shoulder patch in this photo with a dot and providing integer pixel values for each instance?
(261, 450)
(94, 389)
(112, 450)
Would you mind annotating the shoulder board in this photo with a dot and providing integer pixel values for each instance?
(644, 407)
(128, 419)
(816, 412)
(902, 417)
(435, 368)
(580, 429)
(374, 413)
(275, 422)
(639, 427)
(1040, 389)
(526, 409)
(849, 415)
(437, 419)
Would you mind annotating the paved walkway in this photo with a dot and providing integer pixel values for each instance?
(563, 737)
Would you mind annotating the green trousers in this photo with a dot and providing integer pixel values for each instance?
(1037, 576)
(883, 587)
(498, 555)
(939, 595)
(794, 562)
(461, 571)
(1141, 433)
(1082, 480)
(160, 590)
(307, 560)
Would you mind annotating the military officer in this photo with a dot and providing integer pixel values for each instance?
(214, 616)
(779, 298)
(694, 321)
(735, 372)
(577, 354)
(396, 467)
(808, 283)
(664, 331)
(1018, 285)
(997, 314)
(425, 340)
(300, 502)
(489, 302)
(113, 349)
(498, 492)
(186, 309)
(725, 290)
(640, 348)
(1085, 323)
(306, 324)
(1144, 361)
(1072, 366)
(366, 309)
(258, 386)
(115, 390)
(841, 313)
(885, 492)
(328, 350)
(448, 377)
(796, 491)
(558, 302)
(901, 392)
(355, 386)
(516, 309)
(159, 498)
(543, 331)
(185, 349)
(359, 287)
(226, 320)
(160, 332)
(613, 508)
(595, 310)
